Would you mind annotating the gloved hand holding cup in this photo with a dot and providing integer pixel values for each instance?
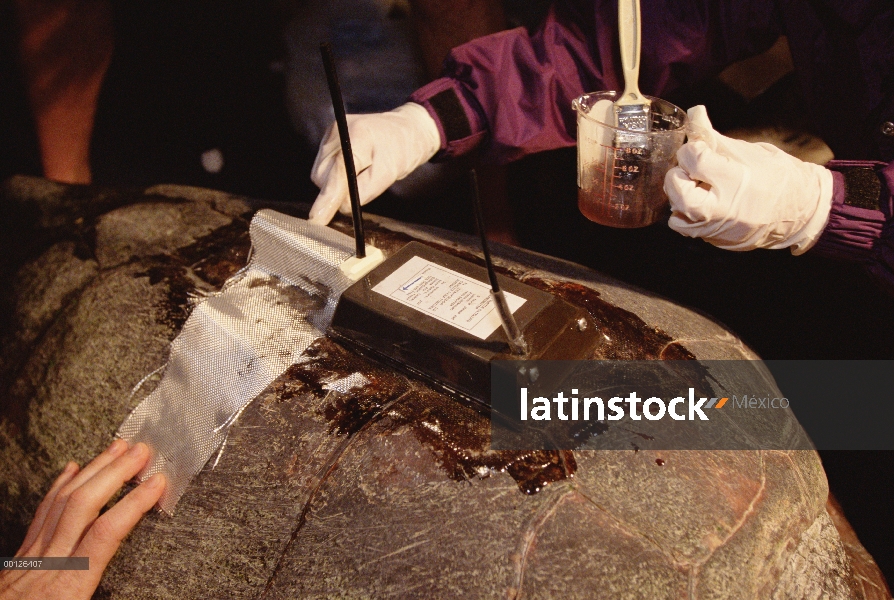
(740, 195)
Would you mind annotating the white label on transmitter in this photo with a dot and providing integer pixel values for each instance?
(446, 295)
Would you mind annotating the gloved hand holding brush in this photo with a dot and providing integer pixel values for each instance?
(740, 195)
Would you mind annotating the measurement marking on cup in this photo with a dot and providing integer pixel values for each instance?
(607, 175)
(620, 152)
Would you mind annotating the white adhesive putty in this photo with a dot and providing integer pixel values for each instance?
(445, 295)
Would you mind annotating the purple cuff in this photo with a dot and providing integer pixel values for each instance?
(861, 234)
(461, 125)
(851, 232)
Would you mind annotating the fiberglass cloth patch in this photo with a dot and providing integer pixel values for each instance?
(236, 342)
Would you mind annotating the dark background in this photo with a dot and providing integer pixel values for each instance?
(187, 77)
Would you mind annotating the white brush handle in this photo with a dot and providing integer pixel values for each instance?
(629, 36)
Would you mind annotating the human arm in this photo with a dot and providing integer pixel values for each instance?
(515, 88)
(739, 195)
(742, 196)
(386, 148)
(65, 49)
(382, 155)
(509, 95)
(389, 146)
(68, 523)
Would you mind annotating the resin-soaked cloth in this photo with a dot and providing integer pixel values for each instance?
(236, 342)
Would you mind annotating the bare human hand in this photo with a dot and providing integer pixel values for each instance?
(67, 523)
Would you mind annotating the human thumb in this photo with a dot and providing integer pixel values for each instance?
(699, 126)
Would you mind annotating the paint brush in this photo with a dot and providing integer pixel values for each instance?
(632, 110)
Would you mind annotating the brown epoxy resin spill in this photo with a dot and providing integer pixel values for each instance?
(201, 267)
(324, 362)
(628, 337)
(458, 435)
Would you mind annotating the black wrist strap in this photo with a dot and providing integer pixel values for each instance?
(862, 188)
(453, 118)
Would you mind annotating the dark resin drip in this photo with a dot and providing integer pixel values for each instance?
(629, 337)
(213, 259)
(645, 436)
(219, 255)
(347, 412)
(458, 435)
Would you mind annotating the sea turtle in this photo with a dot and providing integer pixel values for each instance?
(387, 488)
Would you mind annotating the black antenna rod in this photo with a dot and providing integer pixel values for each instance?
(341, 120)
(510, 326)
(479, 218)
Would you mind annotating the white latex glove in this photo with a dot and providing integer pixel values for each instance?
(386, 146)
(739, 195)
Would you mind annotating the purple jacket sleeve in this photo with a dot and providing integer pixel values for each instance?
(509, 94)
(512, 90)
(862, 234)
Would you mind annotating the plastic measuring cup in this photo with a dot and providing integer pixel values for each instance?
(620, 174)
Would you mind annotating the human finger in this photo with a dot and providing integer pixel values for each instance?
(48, 527)
(366, 190)
(373, 181)
(40, 515)
(688, 197)
(702, 163)
(699, 126)
(106, 457)
(85, 502)
(108, 531)
(333, 193)
(327, 153)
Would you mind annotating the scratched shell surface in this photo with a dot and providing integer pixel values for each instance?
(384, 489)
